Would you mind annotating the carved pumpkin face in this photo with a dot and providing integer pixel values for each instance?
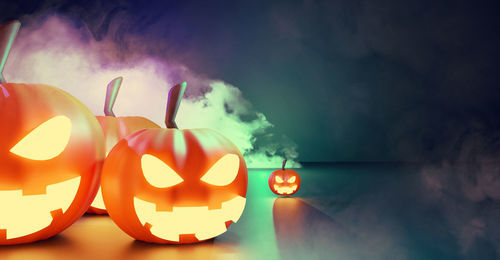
(116, 128)
(284, 181)
(174, 186)
(51, 153)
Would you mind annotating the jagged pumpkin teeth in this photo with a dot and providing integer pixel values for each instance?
(284, 181)
(51, 155)
(175, 186)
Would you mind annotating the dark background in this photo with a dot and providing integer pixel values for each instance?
(346, 80)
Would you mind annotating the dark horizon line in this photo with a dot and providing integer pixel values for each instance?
(337, 163)
(396, 162)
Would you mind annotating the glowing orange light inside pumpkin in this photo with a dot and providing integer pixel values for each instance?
(51, 154)
(175, 186)
(284, 181)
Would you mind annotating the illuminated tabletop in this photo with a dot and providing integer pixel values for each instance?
(342, 211)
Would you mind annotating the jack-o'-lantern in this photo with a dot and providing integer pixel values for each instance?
(51, 155)
(174, 186)
(284, 181)
(116, 128)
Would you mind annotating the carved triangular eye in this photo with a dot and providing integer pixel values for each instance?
(46, 141)
(292, 179)
(158, 173)
(224, 171)
(278, 179)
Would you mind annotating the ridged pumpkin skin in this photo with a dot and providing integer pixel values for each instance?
(190, 153)
(114, 129)
(23, 108)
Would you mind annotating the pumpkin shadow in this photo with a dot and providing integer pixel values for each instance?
(57, 246)
(93, 215)
(210, 249)
(304, 232)
(54, 241)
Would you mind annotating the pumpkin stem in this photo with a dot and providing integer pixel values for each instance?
(174, 100)
(8, 32)
(111, 94)
(283, 167)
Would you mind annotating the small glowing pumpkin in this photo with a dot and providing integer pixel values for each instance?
(116, 128)
(174, 186)
(51, 154)
(284, 182)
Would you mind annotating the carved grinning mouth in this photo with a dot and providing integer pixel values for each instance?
(200, 221)
(24, 215)
(285, 189)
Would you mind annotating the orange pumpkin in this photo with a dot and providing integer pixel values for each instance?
(116, 128)
(174, 186)
(51, 154)
(284, 182)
